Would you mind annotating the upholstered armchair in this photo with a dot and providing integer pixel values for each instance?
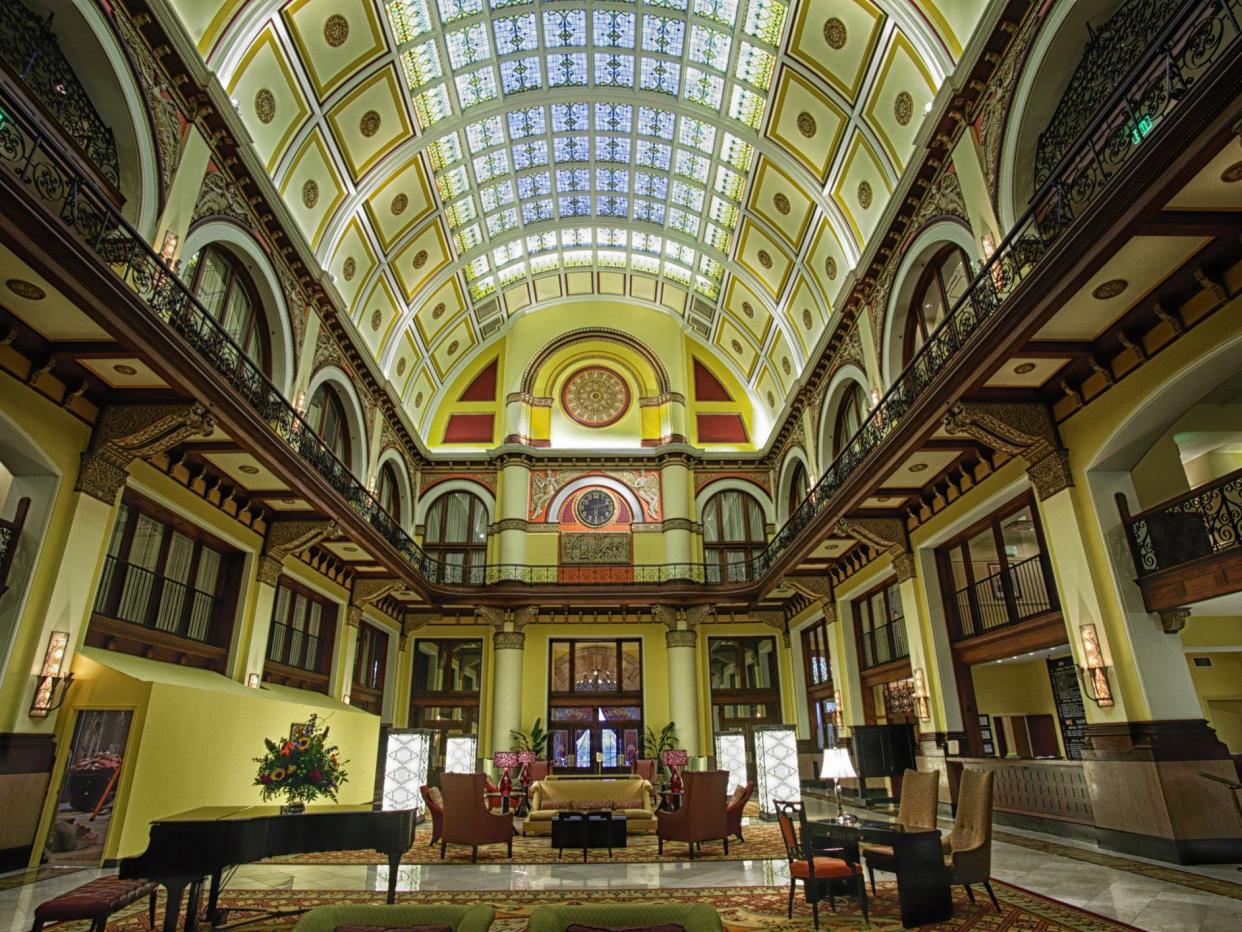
(435, 810)
(466, 820)
(735, 808)
(645, 769)
(492, 797)
(968, 849)
(701, 816)
(920, 792)
(540, 769)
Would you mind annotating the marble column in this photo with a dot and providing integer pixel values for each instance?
(683, 687)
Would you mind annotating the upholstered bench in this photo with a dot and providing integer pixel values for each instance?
(95, 901)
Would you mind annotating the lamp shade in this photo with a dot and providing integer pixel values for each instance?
(837, 765)
(505, 759)
(676, 758)
(527, 757)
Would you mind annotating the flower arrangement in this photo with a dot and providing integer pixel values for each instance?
(301, 768)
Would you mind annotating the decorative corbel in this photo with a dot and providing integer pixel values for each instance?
(1025, 430)
(290, 538)
(128, 432)
(775, 620)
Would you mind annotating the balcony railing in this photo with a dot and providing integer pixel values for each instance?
(884, 644)
(294, 647)
(1006, 597)
(133, 593)
(1196, 35)
(30, 52)
(10, 533)
(1202, 523)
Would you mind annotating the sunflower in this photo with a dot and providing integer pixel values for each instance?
(278, 774)
(303, 743)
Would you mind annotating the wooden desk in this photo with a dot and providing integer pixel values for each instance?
(923, 887)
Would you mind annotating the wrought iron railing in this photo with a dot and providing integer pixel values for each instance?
(884, 644)
(1202, 523)
(1194, 38)
(133, 593)
(10, 533)
(29, 50)
(1006, 597)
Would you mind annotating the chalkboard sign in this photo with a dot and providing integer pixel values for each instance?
(1068, 697)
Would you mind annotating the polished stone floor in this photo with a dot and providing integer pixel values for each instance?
(1140, 901)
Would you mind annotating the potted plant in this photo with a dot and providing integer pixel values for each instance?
(300, 769)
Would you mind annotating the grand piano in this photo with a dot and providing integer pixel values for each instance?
(202, 843)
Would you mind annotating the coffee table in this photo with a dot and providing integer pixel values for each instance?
(598, 828)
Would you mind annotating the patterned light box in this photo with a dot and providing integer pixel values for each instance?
(776, 764)
(406, 760)
(731, 756)
(460, 753)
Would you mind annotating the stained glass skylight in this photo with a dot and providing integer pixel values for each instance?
(578, 134)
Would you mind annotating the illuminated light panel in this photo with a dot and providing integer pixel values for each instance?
(406, 760)
(618, 154)
(776, 766)
(731, 756)
(460, 754)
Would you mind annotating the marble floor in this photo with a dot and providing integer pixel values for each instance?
(1140, 901)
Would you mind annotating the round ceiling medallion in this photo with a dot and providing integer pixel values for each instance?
(24, 289)
(418, 400)
(121, 369)
(1024, 368)
(781, 202)
(786, 366)
(807, 319)
(452, 347)
(830, 268)
(248, 469)
(1110, 289)
(336, 30)
(806, 124)
(401, 366)
(903, 108)
(420, 258)
(377, 318)
(349, 269)
(748, 309)
(737, 347)
(595, 508)
(399, 204)
(764, 259)
(369, 124)
(918, 467)
(438, 311)
(1232, 174)
(265, 105)
(835, 34)
(595, 396)
(310, 193)
(864, 194)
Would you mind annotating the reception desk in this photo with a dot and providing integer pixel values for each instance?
(1038, 789)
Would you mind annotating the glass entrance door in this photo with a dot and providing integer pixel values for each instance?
(594, 739)
(595, 712)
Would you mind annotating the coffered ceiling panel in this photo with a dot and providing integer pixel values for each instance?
(807, 123)
(781, 201)
(334, 38)
(400, 202)
(903, 88)
(749, 310)
(370, 121)
(312, 187)
(353, 262)
(863, 187)
(268, 98)
(836, 40)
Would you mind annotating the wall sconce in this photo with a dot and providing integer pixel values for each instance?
(921, 707)
(168, 248)
(253, 680)
(52, 687)
(1093, 673)
(345, 698)
(838, 718)
(299, 401)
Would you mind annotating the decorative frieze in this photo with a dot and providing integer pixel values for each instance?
(125, 433)
(1025, 430)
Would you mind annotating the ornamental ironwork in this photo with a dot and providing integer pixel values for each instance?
(1202, 523)
(30, 53)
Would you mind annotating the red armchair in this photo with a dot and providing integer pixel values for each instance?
(435, 809)
(735, 808)
(466, 820)
(492, 798)
(701, 816)
(540, 769)
(645, 769)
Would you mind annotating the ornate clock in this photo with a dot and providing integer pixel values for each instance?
(595, 396)
(595, 508)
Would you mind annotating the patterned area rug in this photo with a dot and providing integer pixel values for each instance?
(742, 909)
(763, 841)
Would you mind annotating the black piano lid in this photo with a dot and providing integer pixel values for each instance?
(234, 813)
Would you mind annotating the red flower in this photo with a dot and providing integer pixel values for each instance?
(265, 779)
(315, 776)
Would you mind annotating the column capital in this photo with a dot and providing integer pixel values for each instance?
(508, 640)
(774, 620)
(353, 615)
(683, 638)
(1023, 429)
(1172, 620)
(503, 619)
(127, 432)
(290, 538)
(903, 564)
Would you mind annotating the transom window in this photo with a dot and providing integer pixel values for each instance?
(326, 416)
(456, 535)
(224, 289)
(370, 663)
(595, 704)
(444, 695)
(943, 281)
(642, 162)
(745, 686)
(733, 534)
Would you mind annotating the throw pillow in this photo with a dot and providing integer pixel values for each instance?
(738, 793)
(436, 797)
(440, 927)
(663, 927)
(626, 804)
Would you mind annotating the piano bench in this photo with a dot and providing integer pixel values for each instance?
(96, 901)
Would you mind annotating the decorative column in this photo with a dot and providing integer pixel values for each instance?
(843, 660)
(404, 676)
(681, 639)
(675, 501)
(508, 645)
(512, 508)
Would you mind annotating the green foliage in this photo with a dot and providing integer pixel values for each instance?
(656, 744)
(302, 768)
(535, 740)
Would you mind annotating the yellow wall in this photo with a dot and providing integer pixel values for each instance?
(1016, 689)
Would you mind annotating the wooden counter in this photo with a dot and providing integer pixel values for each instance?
(1047, 789)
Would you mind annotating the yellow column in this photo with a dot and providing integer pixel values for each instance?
(405, 673)
(508, 650)
(676, 502)
(251, 652)
(174, 223)
(344, 652)
(843, 660)
(512, 508)
(683, 687)
(923, 660)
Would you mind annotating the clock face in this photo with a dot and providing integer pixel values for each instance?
(595, 508)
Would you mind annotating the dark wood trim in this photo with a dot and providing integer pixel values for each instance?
(1174, 850)
(128, 638)
(1159, 740)
(26, 753)
(1194, 581)
(889, 672)
(1194, 223)
(1042, 631)
(284, 675)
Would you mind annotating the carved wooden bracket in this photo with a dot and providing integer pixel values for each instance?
(125, 433)
(290, 538)
(1172, 620)
(1025, 430)
(816, 588)
(774, 620)
(887, 535)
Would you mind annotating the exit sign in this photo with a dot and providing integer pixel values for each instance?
(1141, 129)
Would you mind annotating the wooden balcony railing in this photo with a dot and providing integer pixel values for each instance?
(884, 644)
(1006, 597)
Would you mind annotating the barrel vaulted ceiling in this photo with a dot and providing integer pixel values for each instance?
(455, 162)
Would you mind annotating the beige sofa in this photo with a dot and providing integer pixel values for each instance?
(550, 796)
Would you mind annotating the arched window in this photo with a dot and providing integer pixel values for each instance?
(456, 536)
(388, 492)
(938, 289)
(326, 417)
(849, 417)
(799, 485)
(733, 534)
(224, 289)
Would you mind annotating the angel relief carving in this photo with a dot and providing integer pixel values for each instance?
(646, 485)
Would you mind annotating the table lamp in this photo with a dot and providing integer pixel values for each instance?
(503, 761)
(526, 758)
(675, 760)
(837, 767)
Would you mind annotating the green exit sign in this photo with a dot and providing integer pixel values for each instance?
(1141, 129)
